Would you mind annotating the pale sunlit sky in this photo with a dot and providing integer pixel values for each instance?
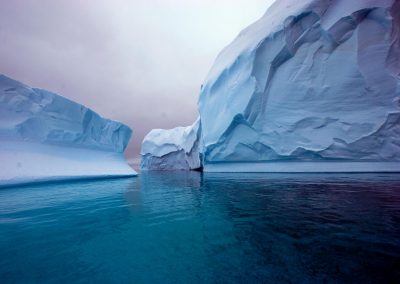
(138, 62)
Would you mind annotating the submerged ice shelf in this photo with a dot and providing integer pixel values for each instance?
(46, 137)
(314, 84)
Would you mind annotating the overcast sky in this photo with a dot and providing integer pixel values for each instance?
(140, 62)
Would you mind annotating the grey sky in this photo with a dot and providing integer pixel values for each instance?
(138, 62)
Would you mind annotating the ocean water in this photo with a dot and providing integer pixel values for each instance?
(204, 228)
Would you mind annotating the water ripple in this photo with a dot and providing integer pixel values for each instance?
(192, 227)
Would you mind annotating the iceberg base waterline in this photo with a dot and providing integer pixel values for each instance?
(25, 163)
(307, 167)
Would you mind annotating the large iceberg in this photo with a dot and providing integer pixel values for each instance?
(46, 137)
(173, 149)
(313, 85)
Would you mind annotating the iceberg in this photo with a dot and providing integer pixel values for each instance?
(312, 86)
(46, 137)
(173, 149)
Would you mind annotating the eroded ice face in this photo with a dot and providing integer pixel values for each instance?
(45, 137)
(173, 149)
(310, 81)
(40, 116)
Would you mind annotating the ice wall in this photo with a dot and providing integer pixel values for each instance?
(312, 86)
(311, 81)
(44, 136)
(173, 149)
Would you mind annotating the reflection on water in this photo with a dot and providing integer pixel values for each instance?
(192, 227)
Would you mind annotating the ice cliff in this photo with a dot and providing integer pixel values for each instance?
(313, 85)
(45, 137)
(173, 149)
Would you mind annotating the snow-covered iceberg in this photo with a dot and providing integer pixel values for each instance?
(45, 137)
(173, 149)
(313, 85)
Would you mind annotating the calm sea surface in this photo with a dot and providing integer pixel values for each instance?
(197, 228)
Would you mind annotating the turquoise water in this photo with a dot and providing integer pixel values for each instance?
(194, 228)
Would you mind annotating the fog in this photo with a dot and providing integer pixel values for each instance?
(138, 62)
